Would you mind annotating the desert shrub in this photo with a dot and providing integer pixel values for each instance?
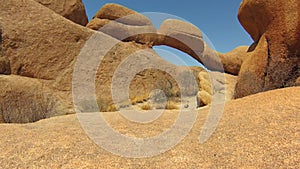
(138, 99)
(171, 105)
(103, 106)
(25, 107)
(146, 106)
(112, 108)
(106, 106)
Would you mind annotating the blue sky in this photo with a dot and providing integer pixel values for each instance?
(217, 19)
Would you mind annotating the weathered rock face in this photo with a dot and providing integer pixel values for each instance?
(182, 36)
(128, 59)
(233, 60)
(229, 62)
(215, 85)
(123, 24)
(4, 65)
(120, 31)
(73, 10)
(252, 75)
(53, 54)
(145, 72)
(127, 25)
(24, 100)
(49, 46)
(119, 13)
(188, 38)
(4, 62)
(275, 27)
(53, 44)
(203, 98)
(41, 45)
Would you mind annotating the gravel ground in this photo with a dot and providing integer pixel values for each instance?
(260, 131)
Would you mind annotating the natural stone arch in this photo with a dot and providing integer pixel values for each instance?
(127, 25)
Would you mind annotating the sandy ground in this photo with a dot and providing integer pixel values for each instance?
(260, 131)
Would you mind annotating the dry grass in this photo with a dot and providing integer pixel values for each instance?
(146, 106)
(139, 99)
(112, 108)
(26, 107)
(61, 142)
(172, 105)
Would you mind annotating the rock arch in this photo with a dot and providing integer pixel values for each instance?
(127, 25)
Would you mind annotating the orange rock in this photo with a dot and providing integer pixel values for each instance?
(233, 60)
(251, 78)
(277, 25)
(73, 10)
(4, 62)
(183, 36)
(122, 15)
(123, 24)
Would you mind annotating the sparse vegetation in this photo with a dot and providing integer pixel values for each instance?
(24, 107)
(146, 106)
(139, 99)
(106, 106)
(103, 106)
(112, 108)
(171, 105)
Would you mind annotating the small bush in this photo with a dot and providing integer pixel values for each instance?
(146, 107)
(171, 105)
(138, 99)
(103, 106)
(111, 108)
(25, 107)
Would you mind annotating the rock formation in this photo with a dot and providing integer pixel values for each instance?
(128, 25)
(48, 52)
(48, 49)
(40, 52)
(119, 12)
(117, 23)
(215, 85)
(24, 100)
(123, 24)
(4, 62)
(274, 61)
(233, 60)
(127, 59)
(183, 36)
(73, 10)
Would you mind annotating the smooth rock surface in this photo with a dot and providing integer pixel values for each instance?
(123, 24)
(276, 24)
(233, 60)
(73, 10)
(183, 36)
